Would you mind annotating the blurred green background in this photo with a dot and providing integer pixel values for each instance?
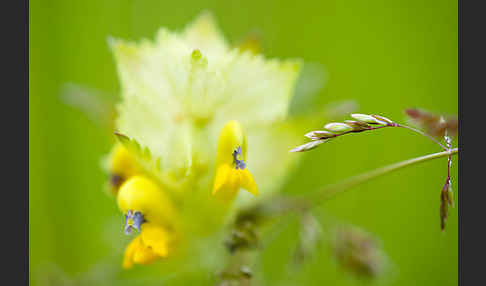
(386, 55)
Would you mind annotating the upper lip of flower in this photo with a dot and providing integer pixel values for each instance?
(231, 170)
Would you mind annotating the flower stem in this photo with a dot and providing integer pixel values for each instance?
(332, 190)
(423, 134)
(280, 205)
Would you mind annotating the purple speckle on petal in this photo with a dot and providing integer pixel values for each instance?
(239, 164)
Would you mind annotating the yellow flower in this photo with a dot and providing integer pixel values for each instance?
(141, 195)
(231, 170)
(122, 166)
(177, 91)
(150, 211)
(152, 243)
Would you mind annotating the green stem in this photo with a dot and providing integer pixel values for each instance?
(330, 191)
(281, 205)
(423, 134)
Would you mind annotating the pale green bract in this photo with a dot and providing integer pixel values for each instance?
(180, 89)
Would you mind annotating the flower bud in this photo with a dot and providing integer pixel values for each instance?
(382, 119)
(338, 127)
(365, 118)
(445, 202)
(357, 125)
(308, 146)
(450, 195)
(319, 134)
(323, 134)
(310, 135)
(444, 210)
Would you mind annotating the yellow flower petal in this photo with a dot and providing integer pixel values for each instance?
(230, 180)
(222, 175)
(142, 194)
(248, 183)
(156, 238)
(151, 244)
(129, 252)
(230, 138)
(123, 163)
(144, 255)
